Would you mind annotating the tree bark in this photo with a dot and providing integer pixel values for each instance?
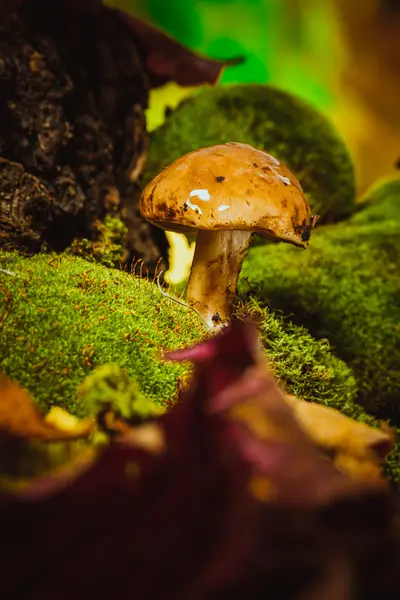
(73, 92)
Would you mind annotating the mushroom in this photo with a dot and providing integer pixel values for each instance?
(226, 193)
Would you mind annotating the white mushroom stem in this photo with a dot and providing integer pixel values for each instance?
(216, 266)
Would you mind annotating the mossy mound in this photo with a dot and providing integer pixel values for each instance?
(345, 287)
(269, 119)
(382, 201)
(63, 316)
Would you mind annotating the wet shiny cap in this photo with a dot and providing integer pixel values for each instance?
(229, 186)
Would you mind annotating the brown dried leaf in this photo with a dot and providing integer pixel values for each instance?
(164, 58)
(165, 513)
(288, 466)
(20, 417)
(358, 448)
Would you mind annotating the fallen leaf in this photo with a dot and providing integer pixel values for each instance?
(331, 429)
(164, 58)
(167, 60)
(196, 520)
(357, 448)
(62, 420)
(20, 417)
(266, 427)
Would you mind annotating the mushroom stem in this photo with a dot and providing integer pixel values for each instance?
(216, 266)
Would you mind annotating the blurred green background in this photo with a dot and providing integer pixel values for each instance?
(279, 41)
(339, 55)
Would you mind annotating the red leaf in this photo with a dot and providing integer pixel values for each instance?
(232, 374)
(185, 521)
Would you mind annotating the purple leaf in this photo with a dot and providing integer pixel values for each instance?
(184, 518)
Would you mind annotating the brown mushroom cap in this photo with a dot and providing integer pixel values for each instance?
(225, 187)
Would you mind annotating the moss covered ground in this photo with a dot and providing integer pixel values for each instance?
(345, 287)
(269, 119)
(380, 203)
(62, 317)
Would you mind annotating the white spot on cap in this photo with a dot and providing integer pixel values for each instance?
(194, 207)
(201, 195)
(285, 180)
(274, 160)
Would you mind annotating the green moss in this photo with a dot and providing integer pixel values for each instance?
(269, 119)
(310, 370)
(110, 387)
(79, 335)
(108, 247)
(382, 202)
(63, 317)
(304, 366)
(346, 288)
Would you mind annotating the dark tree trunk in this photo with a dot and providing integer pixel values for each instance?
(72, 129)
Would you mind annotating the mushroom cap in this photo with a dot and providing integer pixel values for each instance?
(230, 186)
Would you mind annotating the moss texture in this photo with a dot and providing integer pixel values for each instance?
(62, 317)
(297, 359)
(345, 287)
(382, 201)
(269, 119)
(108, 248)
(109, 387)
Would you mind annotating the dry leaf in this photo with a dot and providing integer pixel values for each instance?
(358, 449)
(62, 420)
(263, 425)
(180, 523)
(331, 429)
(164, 58)
(20, 417)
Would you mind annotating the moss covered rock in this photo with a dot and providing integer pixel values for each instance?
(345, 287)
(269, 119)
(62, 317)
(382, 201)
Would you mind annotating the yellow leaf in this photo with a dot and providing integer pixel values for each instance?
(358, 448)
(62, 420)
(20, 417)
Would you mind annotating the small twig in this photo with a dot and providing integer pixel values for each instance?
(179, 301)
(157, 267)
(134, 266)
(7, 272)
